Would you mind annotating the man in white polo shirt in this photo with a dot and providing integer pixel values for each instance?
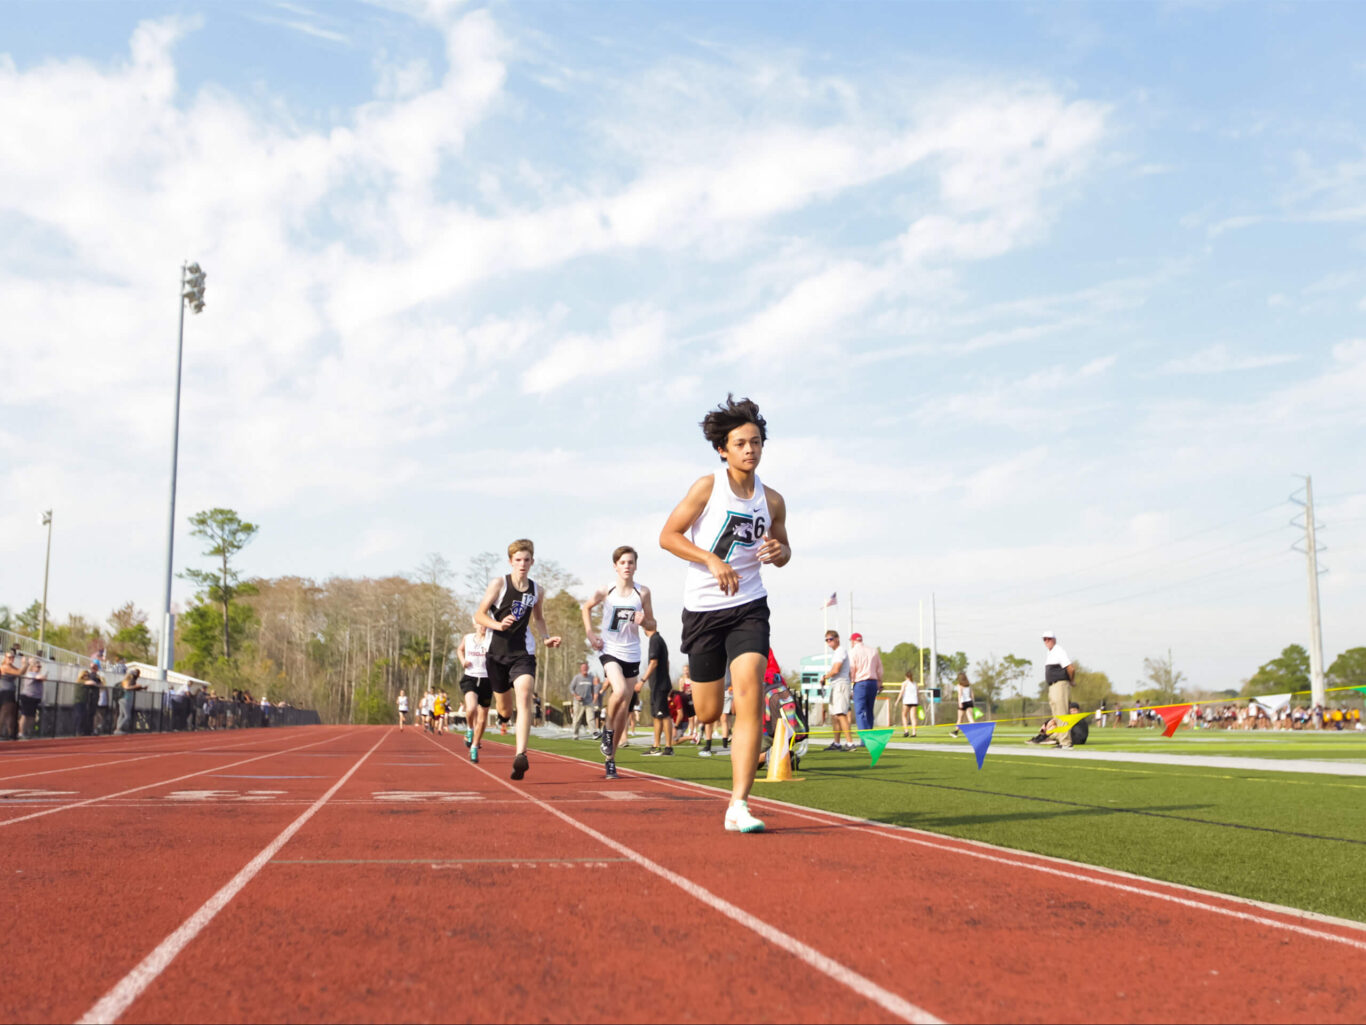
(1058, 672)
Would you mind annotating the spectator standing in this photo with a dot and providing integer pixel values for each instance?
(656, 674)
(910, 704)
(266, 710)
(841, 693)
(583, 691)
(1058, 672)
(865, 669)
(128, 688)
(30, 695)
(10, 672)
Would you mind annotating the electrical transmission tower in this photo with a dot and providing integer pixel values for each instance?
(1311, 550)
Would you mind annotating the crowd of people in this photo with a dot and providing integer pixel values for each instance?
(40, 697)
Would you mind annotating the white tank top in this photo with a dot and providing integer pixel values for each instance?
(475, 652)
(619, 632)
(403, 702)
(732, 528)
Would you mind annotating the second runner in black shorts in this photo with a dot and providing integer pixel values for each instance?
(481, 685)
(712, 640)
(504, 669)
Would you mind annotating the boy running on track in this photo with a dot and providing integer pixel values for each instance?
(725, 607)
(625, 608)
(475, 687)
(509, 604)
(402, 709)
(439, 714)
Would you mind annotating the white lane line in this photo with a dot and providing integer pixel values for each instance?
(991, 852)
(162, 783)
(863, 986)
(110, 1006)
(122, 761)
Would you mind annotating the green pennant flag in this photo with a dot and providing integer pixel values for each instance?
(876, 742)
(1362, 689)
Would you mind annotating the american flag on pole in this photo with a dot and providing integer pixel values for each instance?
(830, 601)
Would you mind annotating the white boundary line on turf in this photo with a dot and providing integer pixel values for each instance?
(120, 761)
(863, 986)
(162, 783)
(110, 1006)
(995, 852)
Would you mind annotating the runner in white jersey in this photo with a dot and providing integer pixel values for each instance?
(475, 688)
(726, 528)
(625, 609)
(402, 709)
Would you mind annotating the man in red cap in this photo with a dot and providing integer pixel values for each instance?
(865, 669)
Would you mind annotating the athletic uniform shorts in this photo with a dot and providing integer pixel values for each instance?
(28, 705)
(480, 685)
(659, 702)
(841, 697)
(6, 698)
(963, 706)
(688, 710)
(630, 670)
(504, 669)
(712, 640)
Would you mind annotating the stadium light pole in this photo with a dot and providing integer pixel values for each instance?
(45, 521)
(191, 295)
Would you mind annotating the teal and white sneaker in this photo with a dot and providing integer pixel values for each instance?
(469, 736)
(474, 755)
(739, 820)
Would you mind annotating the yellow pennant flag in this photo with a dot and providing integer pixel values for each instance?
(1066, 722)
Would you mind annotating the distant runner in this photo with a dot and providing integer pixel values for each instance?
(475, 688)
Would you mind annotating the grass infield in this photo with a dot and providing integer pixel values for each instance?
(1290, 838)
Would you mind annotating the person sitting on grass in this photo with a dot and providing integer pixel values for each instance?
(1079, 732)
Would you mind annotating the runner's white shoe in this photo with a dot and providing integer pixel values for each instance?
(739, 820)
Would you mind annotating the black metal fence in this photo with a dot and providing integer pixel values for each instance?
(67, 709)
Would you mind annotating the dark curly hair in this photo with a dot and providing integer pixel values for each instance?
(717, 424)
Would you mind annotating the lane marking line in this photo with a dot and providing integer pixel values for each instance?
(993, 852)
(863, 986)
(439, 862)
(121, 761)
(162, 783)
(110, 1006)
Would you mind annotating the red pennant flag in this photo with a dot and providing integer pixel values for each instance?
(1172, 716)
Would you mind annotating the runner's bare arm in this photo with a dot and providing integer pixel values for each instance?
(646, 616)
(539, 613)
(587, 608)
(460, 654)
(674, 539)
(775, 550)
(481, 614)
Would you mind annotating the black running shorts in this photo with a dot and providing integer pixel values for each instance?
(481, 685)
(659, 700)
(713, 640)
(505, 669)
(630, 670)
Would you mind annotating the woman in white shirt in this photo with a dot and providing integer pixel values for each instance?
(910, 704)
(964, 690)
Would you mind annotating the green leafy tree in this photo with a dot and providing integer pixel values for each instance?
(227, 534)
(200, 634)
(29, 619)
(1091, 687)
(1288, 671)
(130, 637)
(994, 677)
(1349, 668)
(6, 618)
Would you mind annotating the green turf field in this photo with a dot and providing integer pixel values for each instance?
(1291, 838)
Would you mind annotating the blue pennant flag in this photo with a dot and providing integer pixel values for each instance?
(979, 736)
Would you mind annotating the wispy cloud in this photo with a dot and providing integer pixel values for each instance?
(1220, 359)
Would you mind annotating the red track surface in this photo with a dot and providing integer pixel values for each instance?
(359, 874)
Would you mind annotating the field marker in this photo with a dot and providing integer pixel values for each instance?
(162, 783)
(863, 986)
(110, 1006)
(992, 852)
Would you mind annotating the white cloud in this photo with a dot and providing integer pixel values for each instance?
(1220, 359)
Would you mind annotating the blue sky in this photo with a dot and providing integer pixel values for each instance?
(1045, 304)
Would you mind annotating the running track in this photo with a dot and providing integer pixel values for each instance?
(352, 873)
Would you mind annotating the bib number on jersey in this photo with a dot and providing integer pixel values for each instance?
(741, 530)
